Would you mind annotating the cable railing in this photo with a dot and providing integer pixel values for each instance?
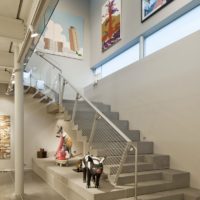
(103, 137)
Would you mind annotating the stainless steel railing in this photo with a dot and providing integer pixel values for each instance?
(102, 134)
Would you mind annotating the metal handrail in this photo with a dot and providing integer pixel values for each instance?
(41, 54)
(129, 142)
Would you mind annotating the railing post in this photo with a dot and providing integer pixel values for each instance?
(30, 80)
(96, 117)
(60, 80)
(123, 159)
(62, 83)
(75, 107)
(136, 171)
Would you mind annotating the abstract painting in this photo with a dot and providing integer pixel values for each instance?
(5, 149)
(63, 35)
(111, 18)
(150, 7)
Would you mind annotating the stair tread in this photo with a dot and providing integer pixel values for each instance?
(157, 195)
(190, 191)
(141, 173)
(171, 171)
(128, 164)
(106, 190)
(149, 183)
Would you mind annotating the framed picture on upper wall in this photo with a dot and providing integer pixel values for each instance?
(110, 23)
(150, 7)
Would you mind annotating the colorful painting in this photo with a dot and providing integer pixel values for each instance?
(111, 17)
(150, 7)
(63, 35)
(5, 149)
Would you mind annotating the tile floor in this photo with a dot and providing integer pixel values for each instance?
(35, 188)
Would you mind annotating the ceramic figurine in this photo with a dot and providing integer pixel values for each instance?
(92, 168)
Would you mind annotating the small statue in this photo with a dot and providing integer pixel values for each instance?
(64, 145)
(92, 168)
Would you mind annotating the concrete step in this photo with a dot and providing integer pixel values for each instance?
(70, 185)
(158, 161)
(127, 178)
(167, 197)
(89, 115)
(53, 108)
(38, 95)
(45, 100)
(176, 194)
(143, 148)
(83, 106)
(133, 135)
(31, 90)
(85, 123)
(168, 174)
(127, 168)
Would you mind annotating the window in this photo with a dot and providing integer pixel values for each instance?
(124, 59)
(176, 30)
(172, 32)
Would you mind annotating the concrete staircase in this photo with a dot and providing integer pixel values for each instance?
(156, 181)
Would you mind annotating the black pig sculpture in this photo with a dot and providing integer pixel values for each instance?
(92, 168)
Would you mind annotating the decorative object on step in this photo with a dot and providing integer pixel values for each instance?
(5, 146)
(79, 166)
(61, 162)
(150, 7)
(41, 153)
(64, 149)
(64, 34)
(92, 168)
(110, 23)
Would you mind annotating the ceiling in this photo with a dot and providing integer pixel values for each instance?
(16, 12)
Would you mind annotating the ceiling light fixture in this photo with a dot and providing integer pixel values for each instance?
(33, 33)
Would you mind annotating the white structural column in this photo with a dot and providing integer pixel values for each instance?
(19, 126)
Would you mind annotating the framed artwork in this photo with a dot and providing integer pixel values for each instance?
(63, 35)
(150, 7)
(110, 23)
(5, 148)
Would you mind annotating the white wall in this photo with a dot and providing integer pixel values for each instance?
(160, 96)
(131, 26)
(4, 76)
(39, 129)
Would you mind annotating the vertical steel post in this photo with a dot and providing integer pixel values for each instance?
(96, 117)
(75, 107)
(136, 171)
(19, 126)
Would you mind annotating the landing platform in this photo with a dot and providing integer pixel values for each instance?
(69, 184)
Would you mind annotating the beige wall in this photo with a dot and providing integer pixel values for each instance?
(131, 26)
(39, 129)
(4, 76)
(160, 95)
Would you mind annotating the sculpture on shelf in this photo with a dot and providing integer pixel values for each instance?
(41, 153)
(63, 152)
(92, 168)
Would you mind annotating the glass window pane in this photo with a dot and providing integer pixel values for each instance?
(124, 59)
(178, 29)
